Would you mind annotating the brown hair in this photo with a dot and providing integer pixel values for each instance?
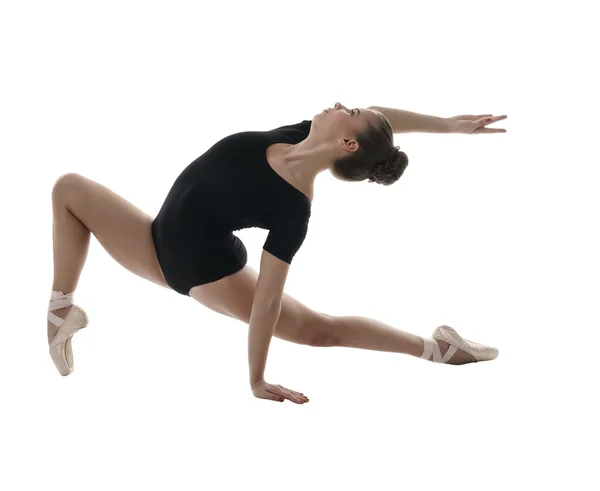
(376, 159)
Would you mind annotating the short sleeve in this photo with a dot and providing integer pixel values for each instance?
(296, 132)
(285, 238)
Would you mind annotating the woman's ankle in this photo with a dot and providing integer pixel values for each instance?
(435, 350)
(458, 358)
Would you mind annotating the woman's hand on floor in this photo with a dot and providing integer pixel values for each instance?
(264, 390)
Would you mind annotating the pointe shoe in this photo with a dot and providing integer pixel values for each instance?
(61, 350)
(432, 347)
(480, 352)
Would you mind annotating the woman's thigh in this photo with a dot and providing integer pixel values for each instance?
(121, 228)
(233, 296)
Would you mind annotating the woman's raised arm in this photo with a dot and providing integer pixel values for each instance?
(407, 122)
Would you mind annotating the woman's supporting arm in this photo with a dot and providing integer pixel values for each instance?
(407, 122)
(263, 320)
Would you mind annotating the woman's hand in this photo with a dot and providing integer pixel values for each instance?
(263, 390)
(469, 123)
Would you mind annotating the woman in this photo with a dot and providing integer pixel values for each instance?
(259, 179)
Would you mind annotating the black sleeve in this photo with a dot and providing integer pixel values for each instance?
(285, 238)
(297, 132)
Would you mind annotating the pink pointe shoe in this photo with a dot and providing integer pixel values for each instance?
(61, 351)
(480, 352)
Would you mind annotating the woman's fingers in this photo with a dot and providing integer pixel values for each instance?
(483, 122)
(470, 117)
(301, 398)
(280, 394)
(264, 390)
(299, 395)
(292, 395)
(493, 118)
(294, 398)
(483, 129)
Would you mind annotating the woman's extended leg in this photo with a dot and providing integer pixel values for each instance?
(233, 296)
(81, 206)
(365, 333)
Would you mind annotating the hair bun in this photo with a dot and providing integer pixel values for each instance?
(389, 171)
(395, 151)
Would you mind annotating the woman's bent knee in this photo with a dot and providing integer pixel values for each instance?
(65, 183)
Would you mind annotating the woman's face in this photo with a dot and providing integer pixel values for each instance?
(341, 122)
(341, 125)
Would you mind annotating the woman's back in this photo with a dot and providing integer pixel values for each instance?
(231, 187)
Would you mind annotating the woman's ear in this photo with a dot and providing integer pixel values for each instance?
(350, 145)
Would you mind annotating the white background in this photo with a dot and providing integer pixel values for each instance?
(494, 235)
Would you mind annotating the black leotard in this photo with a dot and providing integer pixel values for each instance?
(229, 187)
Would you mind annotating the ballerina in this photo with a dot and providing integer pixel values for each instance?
(259, 179)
